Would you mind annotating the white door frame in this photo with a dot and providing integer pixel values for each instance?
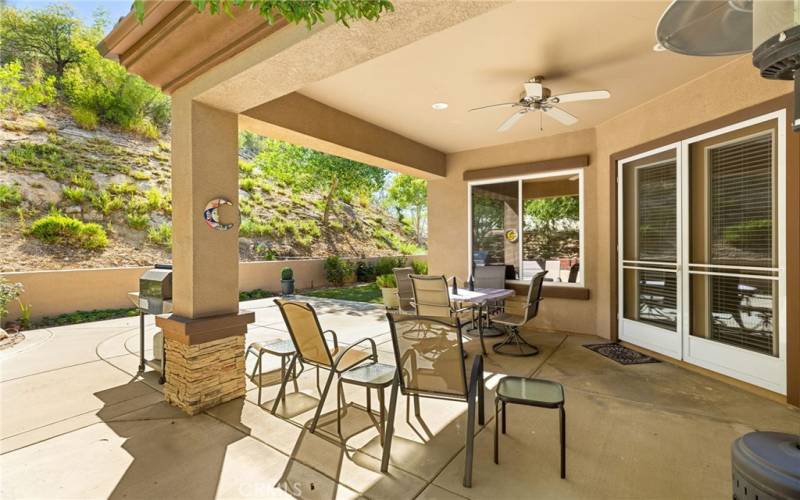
(649, 336)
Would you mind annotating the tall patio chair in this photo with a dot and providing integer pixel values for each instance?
(312, 347)
(426, 370)
(573, 273)
(514, 344)
(432, 297)
(405, 290)
(490, 277)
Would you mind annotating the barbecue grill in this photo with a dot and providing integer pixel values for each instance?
(154, 297)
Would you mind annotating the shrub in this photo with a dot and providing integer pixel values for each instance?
(85, 118)
(9, 196)
(385, 265)
(75, 194)
(137, 221)
(410, 249)
(160, 235)
(337, 270)
(140, 175)
(8, 293)
(420, 266)
(246, 167)
(19, 94)
(62, 230)
(105, 203)
(122, 188)
(255, 294)
(287, 274)
(265, 252)
(154, 198)
(83, 178)
(146, 128)
(365, 272)
(52, 160)
(247, 184)
(386, 281)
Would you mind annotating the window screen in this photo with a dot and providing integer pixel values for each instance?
(656, 212)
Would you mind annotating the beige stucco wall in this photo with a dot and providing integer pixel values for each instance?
(730, 88)
(57, 292)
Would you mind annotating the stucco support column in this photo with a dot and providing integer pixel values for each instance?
(204, 337)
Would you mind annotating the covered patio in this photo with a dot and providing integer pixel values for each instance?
(78, 424)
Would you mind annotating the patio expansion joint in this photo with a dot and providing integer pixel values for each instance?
(62, 368)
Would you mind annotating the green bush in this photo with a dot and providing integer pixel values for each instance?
(155, 199)
(140, 175)
(146, 128)
(75, 194)
(62, 230)
(137, 221)
(337, 270)
(419, 266)
(247, 184)
(255, 294)
(410, 249)
(106, 203)
(85, 118)
(9, 196)
(122, 188)
(365, 272)
(160, 235)
(287, 274)
(19, 93)
(8, 293)
(386, 265)
(52, 160)
(386, 281)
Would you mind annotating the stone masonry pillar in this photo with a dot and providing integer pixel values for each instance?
(204, 337)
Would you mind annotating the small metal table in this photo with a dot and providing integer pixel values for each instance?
(279, 347)
(376, 376)
(477, 299)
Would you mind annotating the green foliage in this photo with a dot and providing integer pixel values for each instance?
(145, 127)
(386, 265)
(739, 235)
(160, 235)
(155, 199)
(106, 203)
(85, 118)
(419, 266)
(19, 93)
(386, 281)
(8, 293)
(76, 195)
(309, 12)
(77, 317)
(246, 167)
(365, 272)
(360, 293)
(25, 311)
(287, 274)
(52, 160)
(137, 221)
(337, 270)
(409, 194)
(255, 294)
(82, 178)
(247, 184)
(9, 196)
(122, 188)
(265, 252)
(140, 175)
(62, 230)
(410, 249)
(551, 227)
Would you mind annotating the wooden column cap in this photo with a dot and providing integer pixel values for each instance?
(201, 330)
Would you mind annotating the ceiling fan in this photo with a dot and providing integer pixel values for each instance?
(537, 97)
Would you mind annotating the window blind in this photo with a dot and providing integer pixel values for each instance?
(657, 240)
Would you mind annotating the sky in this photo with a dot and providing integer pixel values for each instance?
(83, 8)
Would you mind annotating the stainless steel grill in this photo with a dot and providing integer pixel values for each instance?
(154, 297)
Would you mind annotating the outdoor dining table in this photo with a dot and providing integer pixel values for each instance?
(477, 299)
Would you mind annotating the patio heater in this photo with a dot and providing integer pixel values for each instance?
(765, 465)
(154, 297)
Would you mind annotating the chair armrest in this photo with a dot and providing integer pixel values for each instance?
(335, 338)
(374, 355)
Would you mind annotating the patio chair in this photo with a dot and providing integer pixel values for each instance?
(312, 348)
(574, 270)
(405, 290)
(432, 298)
(514, 344)
(438, 376)
(490, 277)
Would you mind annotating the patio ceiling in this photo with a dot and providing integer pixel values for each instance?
(575, 45)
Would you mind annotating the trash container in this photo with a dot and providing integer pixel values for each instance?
(766, 466)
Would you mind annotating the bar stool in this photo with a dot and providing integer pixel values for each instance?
(530, 392)
(281, 348)
(376, 376)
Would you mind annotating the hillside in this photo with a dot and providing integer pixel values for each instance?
(121, 182)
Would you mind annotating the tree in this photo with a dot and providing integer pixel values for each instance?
(410, 193)
(19, 93)
(551, 226)
(295, 11)
(47, 36)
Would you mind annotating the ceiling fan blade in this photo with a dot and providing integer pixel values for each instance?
(502, 104)
(581, 96)
(513, 119)
(534, 89)
(561, 116)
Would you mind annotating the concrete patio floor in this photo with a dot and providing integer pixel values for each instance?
(76, 424)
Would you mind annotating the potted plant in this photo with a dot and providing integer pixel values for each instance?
(388, 286)
(287, 281)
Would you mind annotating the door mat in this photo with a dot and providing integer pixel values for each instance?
(621, 354)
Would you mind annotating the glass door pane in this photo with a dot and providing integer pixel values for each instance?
(495, 225)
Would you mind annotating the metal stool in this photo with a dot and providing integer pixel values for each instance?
(282, 348)
(530, 392)
(376, 376)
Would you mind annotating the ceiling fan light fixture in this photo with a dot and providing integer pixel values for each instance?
(439, 106)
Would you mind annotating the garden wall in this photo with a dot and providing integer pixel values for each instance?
(57, 292)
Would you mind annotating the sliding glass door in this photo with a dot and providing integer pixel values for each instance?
(701, 249)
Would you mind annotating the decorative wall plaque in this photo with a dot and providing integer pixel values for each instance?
(211, 214)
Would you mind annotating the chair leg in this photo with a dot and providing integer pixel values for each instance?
(563, 435)
(496, 431)
(284, 374)
(470, 441)
(339, 400)
(504, 417)
(417, 409)
(387, 444)
(322, 401)
(381, 415)
(481, 413)
(258, 368)
(369, 400)
(282, 391)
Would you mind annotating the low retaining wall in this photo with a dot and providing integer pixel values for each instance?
(57, 292)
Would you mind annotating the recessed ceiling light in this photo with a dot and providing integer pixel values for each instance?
(659, 48)
(439, 106)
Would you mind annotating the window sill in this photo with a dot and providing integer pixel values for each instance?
(552, 290)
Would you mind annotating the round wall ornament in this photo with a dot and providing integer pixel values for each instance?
(512, 235)
(211, 214)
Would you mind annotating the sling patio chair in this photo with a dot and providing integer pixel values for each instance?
(432, 298)
(405, 291)
(426, 370)
(312, 348)
(490, 277)
(514, 344)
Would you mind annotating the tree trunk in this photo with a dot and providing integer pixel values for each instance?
(329, 201)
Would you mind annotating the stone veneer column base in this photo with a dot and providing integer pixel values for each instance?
(204, 375)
